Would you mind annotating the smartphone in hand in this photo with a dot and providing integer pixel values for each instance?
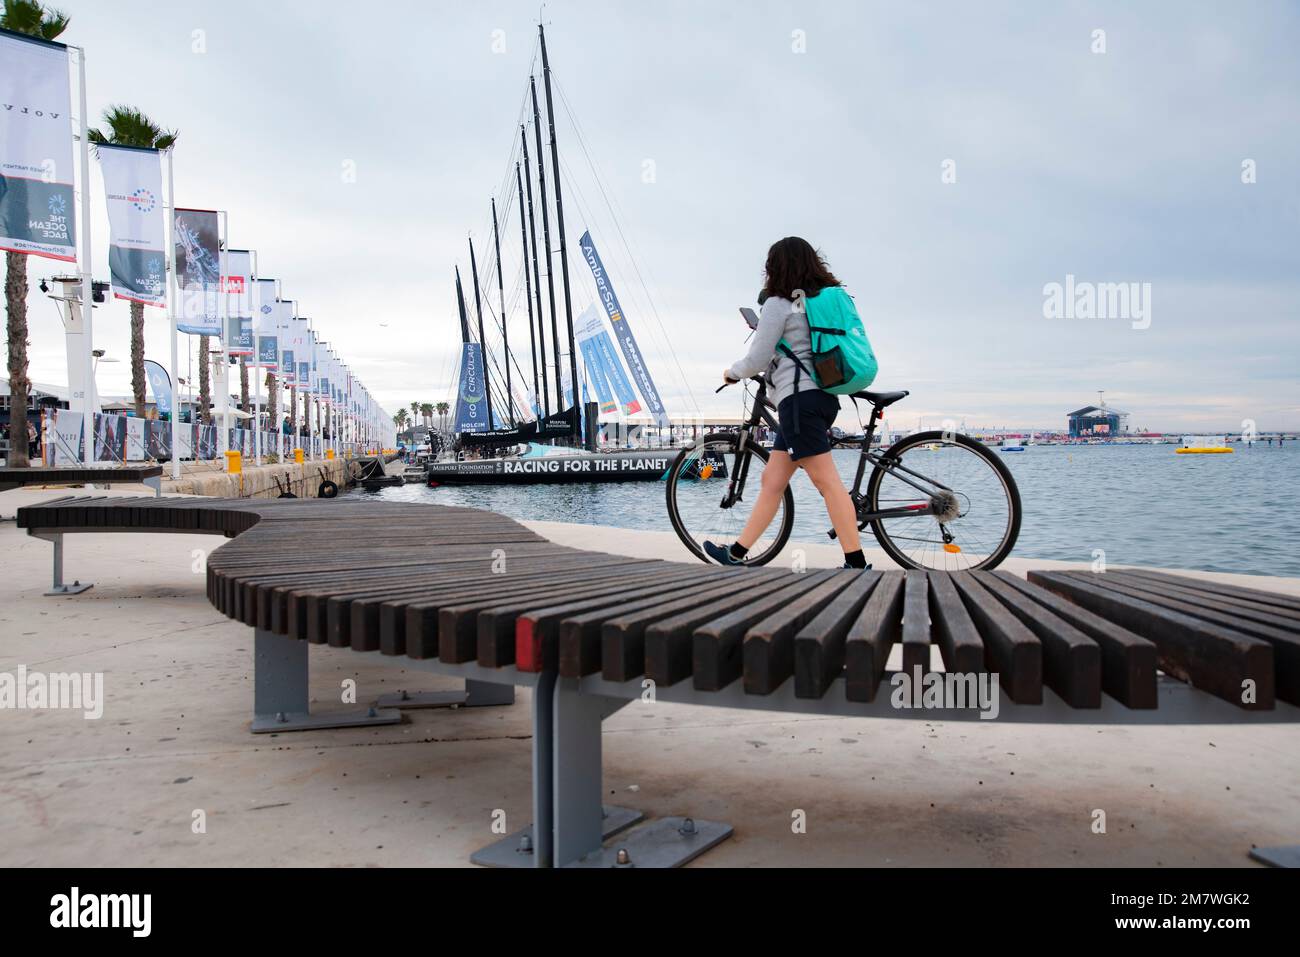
(750, 316)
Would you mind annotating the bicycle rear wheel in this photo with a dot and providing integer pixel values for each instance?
(968, 484)
(711, 490)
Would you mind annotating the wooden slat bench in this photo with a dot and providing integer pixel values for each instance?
(470, 593)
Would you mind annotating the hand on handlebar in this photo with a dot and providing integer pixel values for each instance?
(726, 381)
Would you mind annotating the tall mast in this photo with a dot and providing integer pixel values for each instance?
(537, 281)
(501, 293)
(546, 242)
(460, 302)
(528, 284)
(482, 341)
(559, 223)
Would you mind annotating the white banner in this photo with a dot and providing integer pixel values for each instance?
(238, 287)
(36, 172)
(198, 271)
(136, 242)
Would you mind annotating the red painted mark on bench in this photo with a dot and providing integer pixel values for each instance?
(528, 647)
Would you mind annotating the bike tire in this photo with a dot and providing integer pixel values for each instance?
(896, 450)
(697, 548)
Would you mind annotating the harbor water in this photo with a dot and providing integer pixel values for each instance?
(1137, 504)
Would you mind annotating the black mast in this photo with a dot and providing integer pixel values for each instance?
(528, 284)
(546, 241)
(482, 341)
(537, 279)
(501, 292)
(460, 302)
(559, 223)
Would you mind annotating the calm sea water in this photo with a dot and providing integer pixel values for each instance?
(1143, 505)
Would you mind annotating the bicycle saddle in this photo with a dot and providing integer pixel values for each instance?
(881, 399)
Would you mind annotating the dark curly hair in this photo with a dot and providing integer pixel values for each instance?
(793, 264)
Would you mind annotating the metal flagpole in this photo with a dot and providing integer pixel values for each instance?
(171, 311)
(257, 369)
(223, 438)
(87, 273)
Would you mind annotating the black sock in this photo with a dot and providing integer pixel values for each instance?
(738, 550)
(856, 559)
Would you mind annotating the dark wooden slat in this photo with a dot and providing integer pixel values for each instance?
(1210, 657)
(871, 636)
(1128, 661)
(623, 639)
(580, 634)
(1263, 596)
(769, 644)
(457, 623)
(1010, 649)
(819, 645)
(916, 623)
(1239, 609)
(1286, 644)
(527, 635)
(955, 634)
(1071, 660)
(717, 646)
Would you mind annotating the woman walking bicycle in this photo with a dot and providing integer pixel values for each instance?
(798, 287)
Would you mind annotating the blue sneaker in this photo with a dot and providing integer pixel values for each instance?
(864, 568)
(721, 554)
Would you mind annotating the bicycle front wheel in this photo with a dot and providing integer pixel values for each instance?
(973, 518)
(711, 490)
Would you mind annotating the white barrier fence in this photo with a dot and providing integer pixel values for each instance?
(123, 438)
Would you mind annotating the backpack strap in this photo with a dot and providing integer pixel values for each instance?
(794, 399)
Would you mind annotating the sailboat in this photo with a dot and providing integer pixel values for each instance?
(503, 437)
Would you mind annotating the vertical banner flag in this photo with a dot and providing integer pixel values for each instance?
(36, 171)
(237, 288)
(161, 384)
(267, 325)
(604, 367)
(198, 271)
(136, 245)
(623, 332)
(471, 398)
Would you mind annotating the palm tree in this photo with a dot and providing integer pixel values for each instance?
(415, 413)
(426, 413)
(205, 383)
(243, 383)
(34, 20)
(443, 408)
(127, 126)
(399, 420)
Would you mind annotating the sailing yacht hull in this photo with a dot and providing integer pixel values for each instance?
(557, 469)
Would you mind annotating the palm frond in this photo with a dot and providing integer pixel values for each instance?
(33, 19)
(129, 126)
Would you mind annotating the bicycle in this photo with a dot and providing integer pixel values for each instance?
(968, 520)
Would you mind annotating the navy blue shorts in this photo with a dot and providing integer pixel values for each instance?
(817, 411)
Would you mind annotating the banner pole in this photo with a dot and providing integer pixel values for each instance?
(223, 436)
(87, 274)
(257, 367)
(171, 313)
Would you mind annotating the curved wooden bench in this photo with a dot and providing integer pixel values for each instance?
(471, 593)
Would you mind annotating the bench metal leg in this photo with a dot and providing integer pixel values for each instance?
(534, 845)
(155, 483)
(477, 694)
(58, 588)
(280, 697)
(579, 838)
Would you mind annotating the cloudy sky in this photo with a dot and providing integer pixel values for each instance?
(949, 159)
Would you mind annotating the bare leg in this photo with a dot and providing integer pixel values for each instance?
(821, 469)
(776, 476)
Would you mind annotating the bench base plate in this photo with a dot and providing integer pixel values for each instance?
(666, 842)
(515, 850)
(306, 721)
(76, 588)
(1285, 856)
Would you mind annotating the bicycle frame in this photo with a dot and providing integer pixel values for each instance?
(761, 413)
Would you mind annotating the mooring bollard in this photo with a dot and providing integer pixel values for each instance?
(234, 463)
(297, 456)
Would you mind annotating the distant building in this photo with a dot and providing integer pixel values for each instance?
(1097, 421)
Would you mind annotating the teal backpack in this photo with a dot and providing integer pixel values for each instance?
(842, 360)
